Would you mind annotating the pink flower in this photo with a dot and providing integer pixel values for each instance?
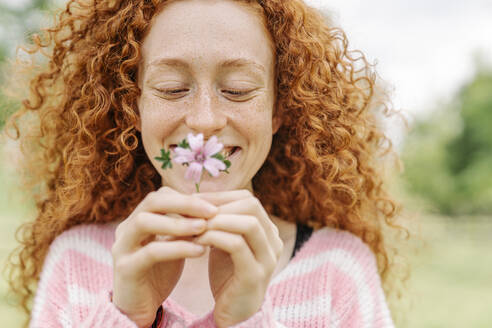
(199, 156)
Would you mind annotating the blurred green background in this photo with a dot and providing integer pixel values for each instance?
(446, 189)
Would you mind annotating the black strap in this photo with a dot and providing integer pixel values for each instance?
(303, 233)
(158, 318)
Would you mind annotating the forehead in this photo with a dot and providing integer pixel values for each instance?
(205, 30)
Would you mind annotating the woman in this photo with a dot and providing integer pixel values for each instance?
(118, 241)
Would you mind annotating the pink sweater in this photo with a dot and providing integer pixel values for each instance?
(331, 282)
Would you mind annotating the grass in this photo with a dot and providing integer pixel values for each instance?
(13, 211)
(451, 283)
(450, 286)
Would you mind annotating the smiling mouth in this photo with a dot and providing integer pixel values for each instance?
(228, 151)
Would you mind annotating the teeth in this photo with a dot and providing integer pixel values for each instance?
(229, 151)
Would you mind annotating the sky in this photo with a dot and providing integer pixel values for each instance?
(424, 49)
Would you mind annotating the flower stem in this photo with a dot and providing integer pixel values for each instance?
(197, 185)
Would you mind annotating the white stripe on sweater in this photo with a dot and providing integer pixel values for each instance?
(65, 317)
(80, 296)
(303, 311)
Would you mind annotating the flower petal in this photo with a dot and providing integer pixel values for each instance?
(196, 142)
(194, 172)
(183, 155)
(213, 165)
(212, 147)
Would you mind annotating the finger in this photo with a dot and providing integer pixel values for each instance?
(146, 224)
(245, 265)
(223, 197)
(160, 251)
(253, 207)
(252, 232)
(167, 202)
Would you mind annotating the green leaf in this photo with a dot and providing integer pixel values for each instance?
(227, 163)
(219, 156)
(184, 144)
(165, 158)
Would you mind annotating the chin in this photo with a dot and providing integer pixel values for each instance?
(208, 184)
(216, 184)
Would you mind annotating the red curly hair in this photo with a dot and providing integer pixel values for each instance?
(88, 164)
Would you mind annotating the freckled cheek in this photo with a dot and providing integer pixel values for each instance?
(253, 120)
(157, 120)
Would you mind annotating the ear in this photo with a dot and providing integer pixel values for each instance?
(276, 123)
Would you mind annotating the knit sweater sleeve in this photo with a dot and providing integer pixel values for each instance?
(332, 282)
(73, 286)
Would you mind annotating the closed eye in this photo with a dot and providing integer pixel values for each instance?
(237, 95)
(172, 94)
(173, 91)
(236, 92)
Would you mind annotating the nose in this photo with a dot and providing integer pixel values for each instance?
(204, 115)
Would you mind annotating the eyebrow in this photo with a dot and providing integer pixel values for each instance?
(176, 62)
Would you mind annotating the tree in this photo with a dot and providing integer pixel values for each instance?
(448, 157)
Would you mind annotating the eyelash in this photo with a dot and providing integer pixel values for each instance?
(237, 92)
(232, 92)
(175, 91)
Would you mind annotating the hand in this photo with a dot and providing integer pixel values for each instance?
(247, 249)
(150, 249)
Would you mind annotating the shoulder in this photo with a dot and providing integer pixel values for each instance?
(340, 249)
(340, 272)
(84, 241)
(328, 238)
(87, 233)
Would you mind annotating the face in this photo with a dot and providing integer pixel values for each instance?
(208, 67)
